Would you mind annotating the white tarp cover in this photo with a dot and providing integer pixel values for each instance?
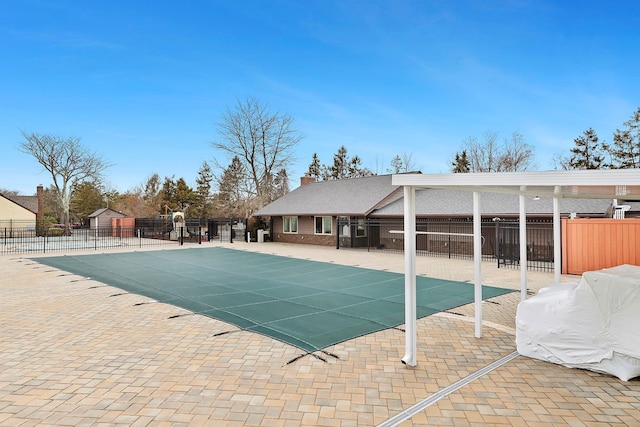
(590, 324)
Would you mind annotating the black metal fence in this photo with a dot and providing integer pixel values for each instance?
(453, 238)
(27, 240)
(21, 238)
(194, 230)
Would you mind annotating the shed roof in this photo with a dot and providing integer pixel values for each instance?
(103, 210)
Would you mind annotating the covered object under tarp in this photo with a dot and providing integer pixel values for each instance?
(590, 324)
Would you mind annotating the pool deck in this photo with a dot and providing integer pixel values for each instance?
(76, 352)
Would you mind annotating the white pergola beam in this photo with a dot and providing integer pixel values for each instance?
(477, 261)
(523, 247)
(557, 241)
(410, 314)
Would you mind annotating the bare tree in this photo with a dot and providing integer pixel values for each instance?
(67, 161)
(9, 193)
(402, 163)
(561, 162)
(262, 140)
(483, 157)
(517, 155)
(487, 156)
(132, 203)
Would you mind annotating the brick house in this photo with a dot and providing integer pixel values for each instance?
(324, 212)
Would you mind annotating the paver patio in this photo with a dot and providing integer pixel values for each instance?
(76, 352)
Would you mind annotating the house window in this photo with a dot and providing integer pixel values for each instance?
(361, 228)
(290, 224)
(323, 224)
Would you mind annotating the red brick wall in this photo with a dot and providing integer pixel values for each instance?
(305, 233)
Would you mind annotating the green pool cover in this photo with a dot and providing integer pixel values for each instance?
(308, 304)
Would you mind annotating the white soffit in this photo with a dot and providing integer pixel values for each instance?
(582, 184)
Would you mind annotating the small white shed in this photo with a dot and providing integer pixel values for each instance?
(102, 218)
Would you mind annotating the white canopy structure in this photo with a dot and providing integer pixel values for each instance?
(588, 184)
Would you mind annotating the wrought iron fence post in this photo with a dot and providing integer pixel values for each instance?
(449, 238)
(498, 248)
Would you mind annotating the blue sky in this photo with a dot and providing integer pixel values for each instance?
(143, 83)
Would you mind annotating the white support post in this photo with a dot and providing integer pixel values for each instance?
(523, 248)
(557, 241)
(410, 276)
(477, 259)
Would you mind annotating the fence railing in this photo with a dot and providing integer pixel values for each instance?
(27, 240)
(18, 237)
(452, 238)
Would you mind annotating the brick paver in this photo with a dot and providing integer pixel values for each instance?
(76, 352)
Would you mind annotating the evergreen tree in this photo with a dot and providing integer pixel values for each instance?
(461, 163)
(53, 210)
(202, 206)
(356, 170)
(315, 168)
(168, 193)
(587, 153)
(340, 168)
(231, 194)
(152, 196)
(625, 152)
(396, 164)
(86, 198)
(185, 197)
(343, 167)
(281, 184)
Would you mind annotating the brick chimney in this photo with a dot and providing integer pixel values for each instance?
(306, 179)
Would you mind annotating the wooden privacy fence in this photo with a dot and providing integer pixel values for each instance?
(597, 243)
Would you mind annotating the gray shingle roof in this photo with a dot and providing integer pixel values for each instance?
(375, 196)
(349, 197)
(27, 202)
(103, 210)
